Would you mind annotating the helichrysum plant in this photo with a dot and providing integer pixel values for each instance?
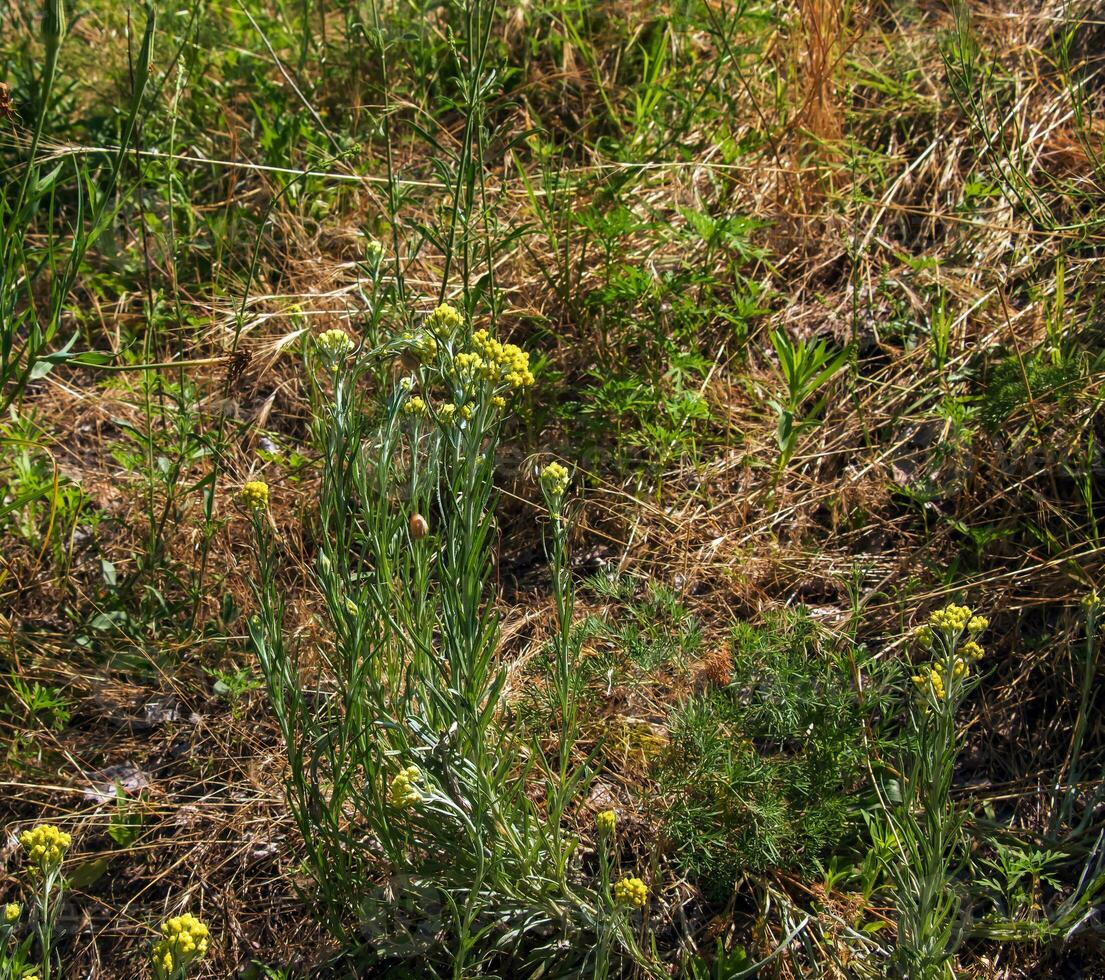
(606, 822)
(632, 892)
(334, 345)
(926, 824)
(398, 760)
(255, 495)
(45, 847)
(11, 955)
(184, 941)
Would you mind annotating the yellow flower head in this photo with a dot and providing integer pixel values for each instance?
(972, 650)
(184, 939)
(334, 344)
(606, 821)
(466, 412)
(12, 912)
(255, 494)
(499, 402)
(951, 619)
(422, 344)
(45, 846)
(446, 412)
(467, 365)
(415, 406)
(502, 363)
(977, 625)
(931, 682)
(445, 320)
(403, 792)
(631, 891)
(555, 479)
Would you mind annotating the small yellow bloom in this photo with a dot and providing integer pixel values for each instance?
(334, 344)
(446, 412)
(606, 821)
(467, 364)
(499, 402)
(445, 319)
(184, 939)
(12, 912)
(502, 363)
(951, 619)
(972, 650)
(255, 494)
(631, 891)
(555, 479)
(466, 412)
(977, 624)
(45, 846)
(403, 792)
(415, 406)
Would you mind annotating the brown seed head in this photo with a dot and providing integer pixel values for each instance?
(418, 526)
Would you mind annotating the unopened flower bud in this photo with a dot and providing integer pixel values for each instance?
(418, 526)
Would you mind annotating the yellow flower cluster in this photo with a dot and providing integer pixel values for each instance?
(467, 365)
(446, 412)
(952, 618)
(12, 912)
(45, 846)
(255, 494)
(971, 650)
(415, 406)
(631, 891)
(445, 320)
(184, 940)
(934, 679)
(334, 344)
(403, 792)
(606, 821)
(502, 362)
(423, 345)
(555, 479)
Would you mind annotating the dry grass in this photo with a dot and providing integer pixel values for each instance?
(719, 528)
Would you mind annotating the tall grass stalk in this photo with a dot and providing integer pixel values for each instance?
(36, 280)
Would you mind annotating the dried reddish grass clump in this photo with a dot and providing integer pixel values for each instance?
(716, 670)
